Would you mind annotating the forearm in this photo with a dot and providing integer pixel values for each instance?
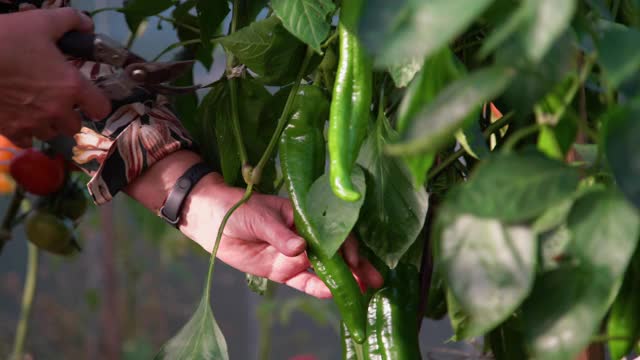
(154, 185)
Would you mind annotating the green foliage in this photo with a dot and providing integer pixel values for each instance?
(333, 217)
(537, 214)
(306, 19)
(200, 338)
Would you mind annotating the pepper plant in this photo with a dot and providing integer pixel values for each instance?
(482, 151)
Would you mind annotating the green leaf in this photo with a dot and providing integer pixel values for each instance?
(394, 211)
(200, 338)
(403, 72)
(146, 8)
(515, 187)
(623, 324)
(472, 140)
(214, 117)
(489, 268)
(135, 11)
(268, 49)
(621, 145)
(560, 326)
(434, 126)
(332, 217)
(507, 340)
(438, 71)
(535, 26)
(618, 52)
(396, 30)
(210, 15)
(306, 19)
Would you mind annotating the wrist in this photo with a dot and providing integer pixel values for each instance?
(152, 188)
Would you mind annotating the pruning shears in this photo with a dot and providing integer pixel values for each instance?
(136, 78)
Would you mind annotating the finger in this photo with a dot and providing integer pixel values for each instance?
(69, 124)
(63, 20)
(274, 231)
(92, 101)
(350, 251)
(310, 284)
(369, 275)
(45, 132)
(286, 210)
(23, 142)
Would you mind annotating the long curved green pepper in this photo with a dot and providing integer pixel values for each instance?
(302, 158)
(392, 324)
(350, 107)
(348, 345)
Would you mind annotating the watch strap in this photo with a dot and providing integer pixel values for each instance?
(172, 207)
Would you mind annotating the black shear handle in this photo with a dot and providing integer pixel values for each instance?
(78, 44)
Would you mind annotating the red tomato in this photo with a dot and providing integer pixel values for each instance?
(37, 173)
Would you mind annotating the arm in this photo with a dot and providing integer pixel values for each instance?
(258, 239)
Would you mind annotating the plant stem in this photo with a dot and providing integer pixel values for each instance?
(9, 216)
(359, 351)
(513, 140)
(178, 23)
(284, 118)
(233, 92)
(247, 194)
(27, 300)
(266, 324)
(504, 121)
(614, 10)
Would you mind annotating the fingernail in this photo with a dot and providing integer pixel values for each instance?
(295, 244)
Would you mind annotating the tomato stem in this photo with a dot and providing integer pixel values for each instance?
(27, 300)
(9, 216)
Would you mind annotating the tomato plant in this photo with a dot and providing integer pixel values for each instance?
(484, 152)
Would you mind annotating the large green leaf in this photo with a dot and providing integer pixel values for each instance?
(515, 187)
(618, 52)
(534, 26)
(268, 49)
(396, 30)
(210, 15)
(306, 19)
(200, 338)
(438, 71)
(136, 11)
(604, 232)
(394, 211)
(332, 217)
(507, 341)
(489, 268)
(256, 125)
(622, 145)
(402, 73)
(434, 126)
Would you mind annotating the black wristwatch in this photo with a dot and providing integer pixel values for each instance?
(170, 211)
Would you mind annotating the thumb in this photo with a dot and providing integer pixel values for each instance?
(63, 20)
(274, 231)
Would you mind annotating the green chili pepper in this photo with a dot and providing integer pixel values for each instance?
(623, 325)
(348, 345)
(350, 106)
(392, 324)
(302, 157)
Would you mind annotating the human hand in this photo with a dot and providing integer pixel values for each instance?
(39, 89)
(259, 238)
